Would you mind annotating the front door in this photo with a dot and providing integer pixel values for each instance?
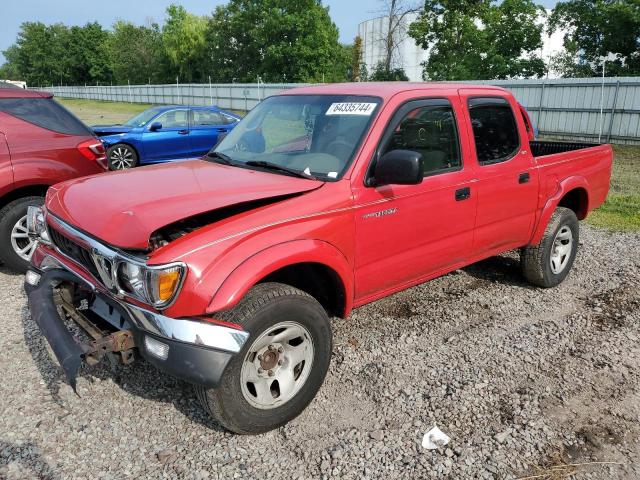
(169, 142)
(507, 175)
(407, 233)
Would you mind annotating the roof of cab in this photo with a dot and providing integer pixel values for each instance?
(385, 90)
(22, 93)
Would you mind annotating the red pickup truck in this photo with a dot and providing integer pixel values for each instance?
(225, 271)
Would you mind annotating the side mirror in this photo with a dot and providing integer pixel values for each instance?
(399, 167)
(155, 126)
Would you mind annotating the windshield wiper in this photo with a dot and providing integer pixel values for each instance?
(220, 158)
(275, 166)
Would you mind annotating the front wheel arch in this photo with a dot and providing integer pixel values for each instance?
(277, 263)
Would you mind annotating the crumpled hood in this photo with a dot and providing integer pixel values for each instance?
(102, 130)
(124, 208)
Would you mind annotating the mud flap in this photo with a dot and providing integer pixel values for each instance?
(68, 351)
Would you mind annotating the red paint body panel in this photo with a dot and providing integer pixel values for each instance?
(34, 156)
(427, 233)
(144, 199)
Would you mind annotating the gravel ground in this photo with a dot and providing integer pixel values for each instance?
(523, 380)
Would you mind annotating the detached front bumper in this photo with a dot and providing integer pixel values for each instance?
(193, 350)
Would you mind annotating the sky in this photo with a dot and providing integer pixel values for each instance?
(346, 14)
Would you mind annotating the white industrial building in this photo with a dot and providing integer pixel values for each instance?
(410, 56)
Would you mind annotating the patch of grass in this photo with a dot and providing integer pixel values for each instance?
(98, 112)
(621, 211)
(94, 112)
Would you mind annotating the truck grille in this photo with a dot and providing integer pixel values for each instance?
(73, 251)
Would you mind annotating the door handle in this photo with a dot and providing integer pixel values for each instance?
(183, 132)
(222, 130)
(524, 177)
(463, 194)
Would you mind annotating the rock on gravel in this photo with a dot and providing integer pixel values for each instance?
(520, 378)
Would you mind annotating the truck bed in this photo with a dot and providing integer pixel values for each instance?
(541, 148)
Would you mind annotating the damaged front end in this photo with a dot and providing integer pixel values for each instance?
(60, 300)
(51, 297)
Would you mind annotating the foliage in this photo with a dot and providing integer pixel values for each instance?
(356, 60)
(136, 54)
(183, 37)
(597, 28)
(480, 39)
(276, 40)
(382, 74)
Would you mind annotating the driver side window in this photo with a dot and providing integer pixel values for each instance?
(173, 119)
(431, 131)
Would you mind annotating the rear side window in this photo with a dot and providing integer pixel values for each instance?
(45, 113)
(494, 129)
(203, 118)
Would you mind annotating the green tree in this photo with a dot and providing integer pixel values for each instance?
(39, 54)
(85, 58)
(382, 73)
(48, 54)
(480, 39)
(277, 40)
(356, 60)
(9, 70)
(183, 37)
(136, 54)
(596, 29)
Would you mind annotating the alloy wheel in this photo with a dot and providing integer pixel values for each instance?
(21, 243)
(121, 158)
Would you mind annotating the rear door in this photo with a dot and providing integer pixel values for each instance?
(171, 141)
(6, 170)
(507, 175)
(406, 233)
(207, 128)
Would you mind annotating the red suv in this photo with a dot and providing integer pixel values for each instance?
(41, 143)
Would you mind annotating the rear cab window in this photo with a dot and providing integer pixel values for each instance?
(45, 113)
(495, 131)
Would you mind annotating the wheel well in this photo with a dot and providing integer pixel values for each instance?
(30, 191)
(316, 279)
(576, 200)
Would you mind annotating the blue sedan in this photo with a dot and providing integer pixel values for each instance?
(164, 134)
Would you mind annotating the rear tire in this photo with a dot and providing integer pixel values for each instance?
(548, 263)
(16, 247)
(122, 157)
(282, 365)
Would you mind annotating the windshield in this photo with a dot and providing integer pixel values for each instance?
(316, 135)
(142, 118)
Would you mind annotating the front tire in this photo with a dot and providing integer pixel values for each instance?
(280, 368)
(122, 157)
(548, 263)
(16, 247)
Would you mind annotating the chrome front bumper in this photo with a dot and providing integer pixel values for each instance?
(196, 351)
(195, 332)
